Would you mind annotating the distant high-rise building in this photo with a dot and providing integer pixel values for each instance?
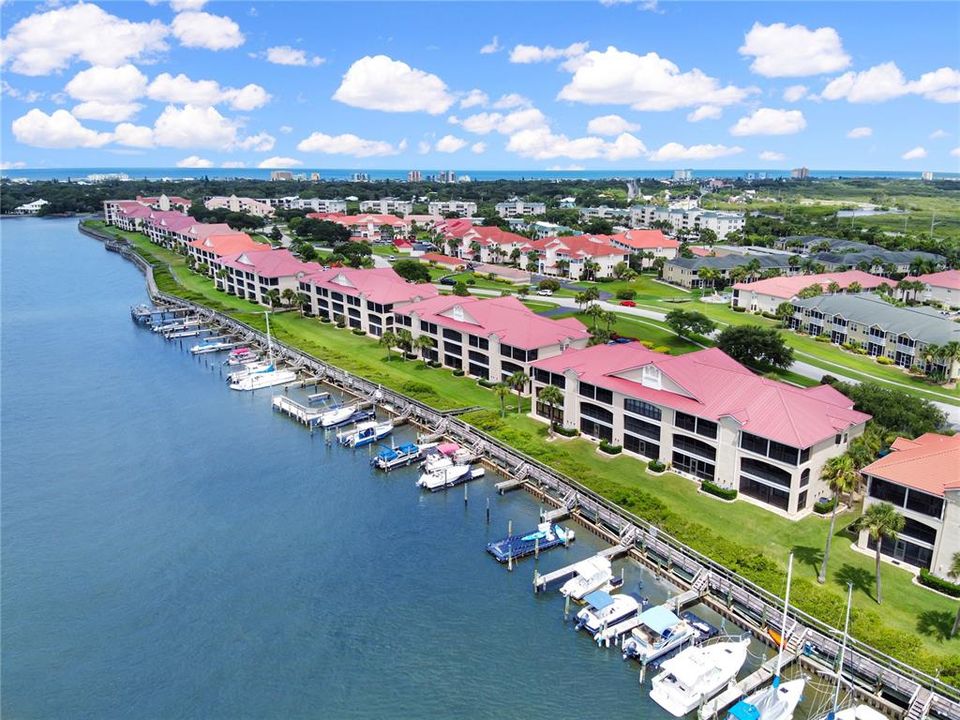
(926, 175)
(360, 177)
(315, 177)
(683, 175)
(414, 176)
(281, 175)
(800, 173)
(447, 176)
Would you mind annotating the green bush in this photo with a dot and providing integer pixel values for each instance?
(822, 338)
(626, 294)
(738, 308)
(720, 492)
(610, 449)
(471, 281)
(485, 383)
(656, 466)
(662, 349)
(884, 360)
(358, 331)
(324, 319)
(566, 432)
(822, 507)
(434, 363)
(341, 323)
(945, 586)
(770, 315)
(458, 372)
(605, 279)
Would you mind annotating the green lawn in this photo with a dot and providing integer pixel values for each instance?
(751, 540)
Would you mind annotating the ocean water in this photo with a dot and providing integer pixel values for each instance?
(154, 173)
(173, 549)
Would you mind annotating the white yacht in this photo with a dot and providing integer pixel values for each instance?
(774, 702)
(338, 415)
(365, 433)
(696, 675)
(250, 369)
(267, 378)
(605, 610)
(860, 712)
(448, 477)
(658, 632)
(591, 574)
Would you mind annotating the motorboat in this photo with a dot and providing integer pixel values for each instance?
(448, 477)
(605, 610)
(212, 347)
(391, 457)
(659, 631)
(260, 366)
(445, 455)
(365, 433)
(696, 675)
(242, 360)
(338, 415)
(513, 547)
(590, 574)
(267, 378)
(774, 702)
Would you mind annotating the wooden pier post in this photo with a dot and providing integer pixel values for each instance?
(536, 548)
(566, 607)
(465, 494)
(488, 510)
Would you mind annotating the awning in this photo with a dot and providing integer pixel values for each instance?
(658, 619)
(598, 599)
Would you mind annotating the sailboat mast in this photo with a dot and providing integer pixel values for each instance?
(266, 315)
(783, 624)
(843, 651)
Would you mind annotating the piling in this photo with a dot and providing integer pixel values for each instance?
(488, 511)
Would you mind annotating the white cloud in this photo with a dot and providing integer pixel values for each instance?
(542, 144)
(30, 96)
(194, 161)
(348, 144)
(286, 55)
(938, 134)
(483, 123)
(277, 162)
(955, 152)
(12, 164)
(184, 91)
(646, 5)
(795, 93)
(610, 125)
(858, 133)
(108, 84)
(423, 147)
(192, 126)
(510, 101)
(378, 82)
(491, 47)
(133, 135)
(108, 112)
(645, 82)
(676, 151)
(261, 142)
(478, 148)
(771, 155)
(525, 54)
(474, 98)
(203, 30)
(450, 144)
(565, 168)
(780, 50)
(705, 112)
(182, 5)
(57, 130)
(768, 121)
(43, 43)
(886, 81)
(916, 153)
(233, 164)
(286, 129)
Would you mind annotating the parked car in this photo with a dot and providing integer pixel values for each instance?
(545, 292)
(448, 281)
(628, 303)
(391, 258)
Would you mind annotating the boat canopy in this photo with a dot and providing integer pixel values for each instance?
(407, 448)
(744, 711)
(448, 448)
(659, 619)
(598, 599)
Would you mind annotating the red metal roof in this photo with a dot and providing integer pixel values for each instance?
(270, 263)
(788, 287)
(229, 244)
(380, 285)
(930, 463)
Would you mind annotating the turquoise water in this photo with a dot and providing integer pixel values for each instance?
(172, 549)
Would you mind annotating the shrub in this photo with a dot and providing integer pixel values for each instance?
(434, 363)
(471, 281)
(610, 449)
(566, 432)
(860, 350)
(822, 338)
(341, 323)
(737, 308)
(626, 294)
(324, 319)
(605, 279)
(828, 380)
(884, 360)
(485, 383)
(823, 506)
(458, 372)
(358, 331)
(662, 349)
(720, 492)
(945, 586)
(770, 315)
(656, 466)
(647, 344)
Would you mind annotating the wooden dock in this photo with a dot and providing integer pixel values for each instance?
(745, 687)
(303, 414)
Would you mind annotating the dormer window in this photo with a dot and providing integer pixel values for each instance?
(650, 377)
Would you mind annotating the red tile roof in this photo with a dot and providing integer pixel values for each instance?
(492, 235)
(642, 240)
(946, 279)
(580, 246)
(699, 251)
(229, 244)
(506, 317)
(710, 384)
(361, 219)
(380, 285)
(270, 263)
(443, 259)
(930, 463)
(788, 287)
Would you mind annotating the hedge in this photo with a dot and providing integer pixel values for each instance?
(945, 586)
(358, 331)
(720, 492)
(626, 294)
(566, 432)
(822, 507)
(610, 449)
(656, 466)
(485, 383)
(739, 308)
(884, 360)
(458, 372)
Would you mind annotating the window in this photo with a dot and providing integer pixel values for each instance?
(449, 334)
(692, 445)
(478, 358)
(902, 549)
(428, 327)
(641, 446)
(594, 429)
(482, 343)
(480, 371)
(925, 503)
(639, 407)
(764, 493)
(641, 427)
(693, 466)
(452, 349)
(919, 531)
(805, 478)
(695, 424)
(783, 453)
(802, 500)
(888, 492)
(594, 393)
(765, 471)
(753, 443)
(587, 390)
(596, 412)
(452, 361)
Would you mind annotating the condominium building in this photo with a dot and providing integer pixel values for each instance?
(901, 334)
(483, 243)
(387, 206)
(280, 175)
(414, 176)
(921, 478)
(233, 203)
(30, 208)
(706, 416)
(292, 202)
(683, 175)
(604, 213)
(515, 207)
(252, 275)
(801, 173)
(166, 202)
(839, 254)
(489, 338)
(362, 298)
(215, 246)
(766, 295)
(685, 272)
(368, 227)
(645, 243)
(577, 256)
(688, 220)
(461, 208)
(941, 287)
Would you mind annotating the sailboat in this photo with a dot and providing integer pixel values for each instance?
(268, 377)
(856, 712)
(778, 700)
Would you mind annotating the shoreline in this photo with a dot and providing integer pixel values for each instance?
(554, 487)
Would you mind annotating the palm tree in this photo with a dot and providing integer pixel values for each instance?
(515, 256)
(708, 277)
(854, 287)
(454, 245)
(389, 338)
(881, 520)
(503, 390)
(552, 396)
(581, 298)
(609, 319)
(273, 297)
(302, 300)
(563, 267)
(404, 340)
(833, 288)
(842, 477)
(289, 296)
(954, 572)
(595, 312)
(533, 260)
(423, 343)
(518, 381)
(475, 249)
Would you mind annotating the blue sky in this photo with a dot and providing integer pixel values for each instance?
(483, 85)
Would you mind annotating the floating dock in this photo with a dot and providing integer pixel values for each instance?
(514, 547)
